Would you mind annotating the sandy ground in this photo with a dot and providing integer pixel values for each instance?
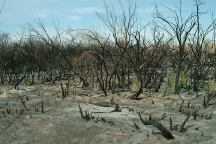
(62, 124)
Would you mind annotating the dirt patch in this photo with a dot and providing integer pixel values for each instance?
(62, 123)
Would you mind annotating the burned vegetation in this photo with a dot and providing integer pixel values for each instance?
(119, 87)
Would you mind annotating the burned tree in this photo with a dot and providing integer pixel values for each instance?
(179, 28)
(200, 48)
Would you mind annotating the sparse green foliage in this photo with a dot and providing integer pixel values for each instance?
(183, 80)
(136, 83)
(26, 81)
(121, 81)
(168, 86)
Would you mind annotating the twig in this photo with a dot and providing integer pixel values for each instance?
(182, 128)
(80, 110)
(180, 108)
(23, 102)
(171, 125)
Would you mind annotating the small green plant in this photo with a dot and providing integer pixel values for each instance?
(26, 81)
(168, 86)
(184, 79)
(136, 83)
(121, 81)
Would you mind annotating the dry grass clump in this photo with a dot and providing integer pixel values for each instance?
(212, 85)
(136, 83)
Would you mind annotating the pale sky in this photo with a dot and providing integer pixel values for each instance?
(79, 13)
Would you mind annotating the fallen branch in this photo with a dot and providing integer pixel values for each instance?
(166, 133)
